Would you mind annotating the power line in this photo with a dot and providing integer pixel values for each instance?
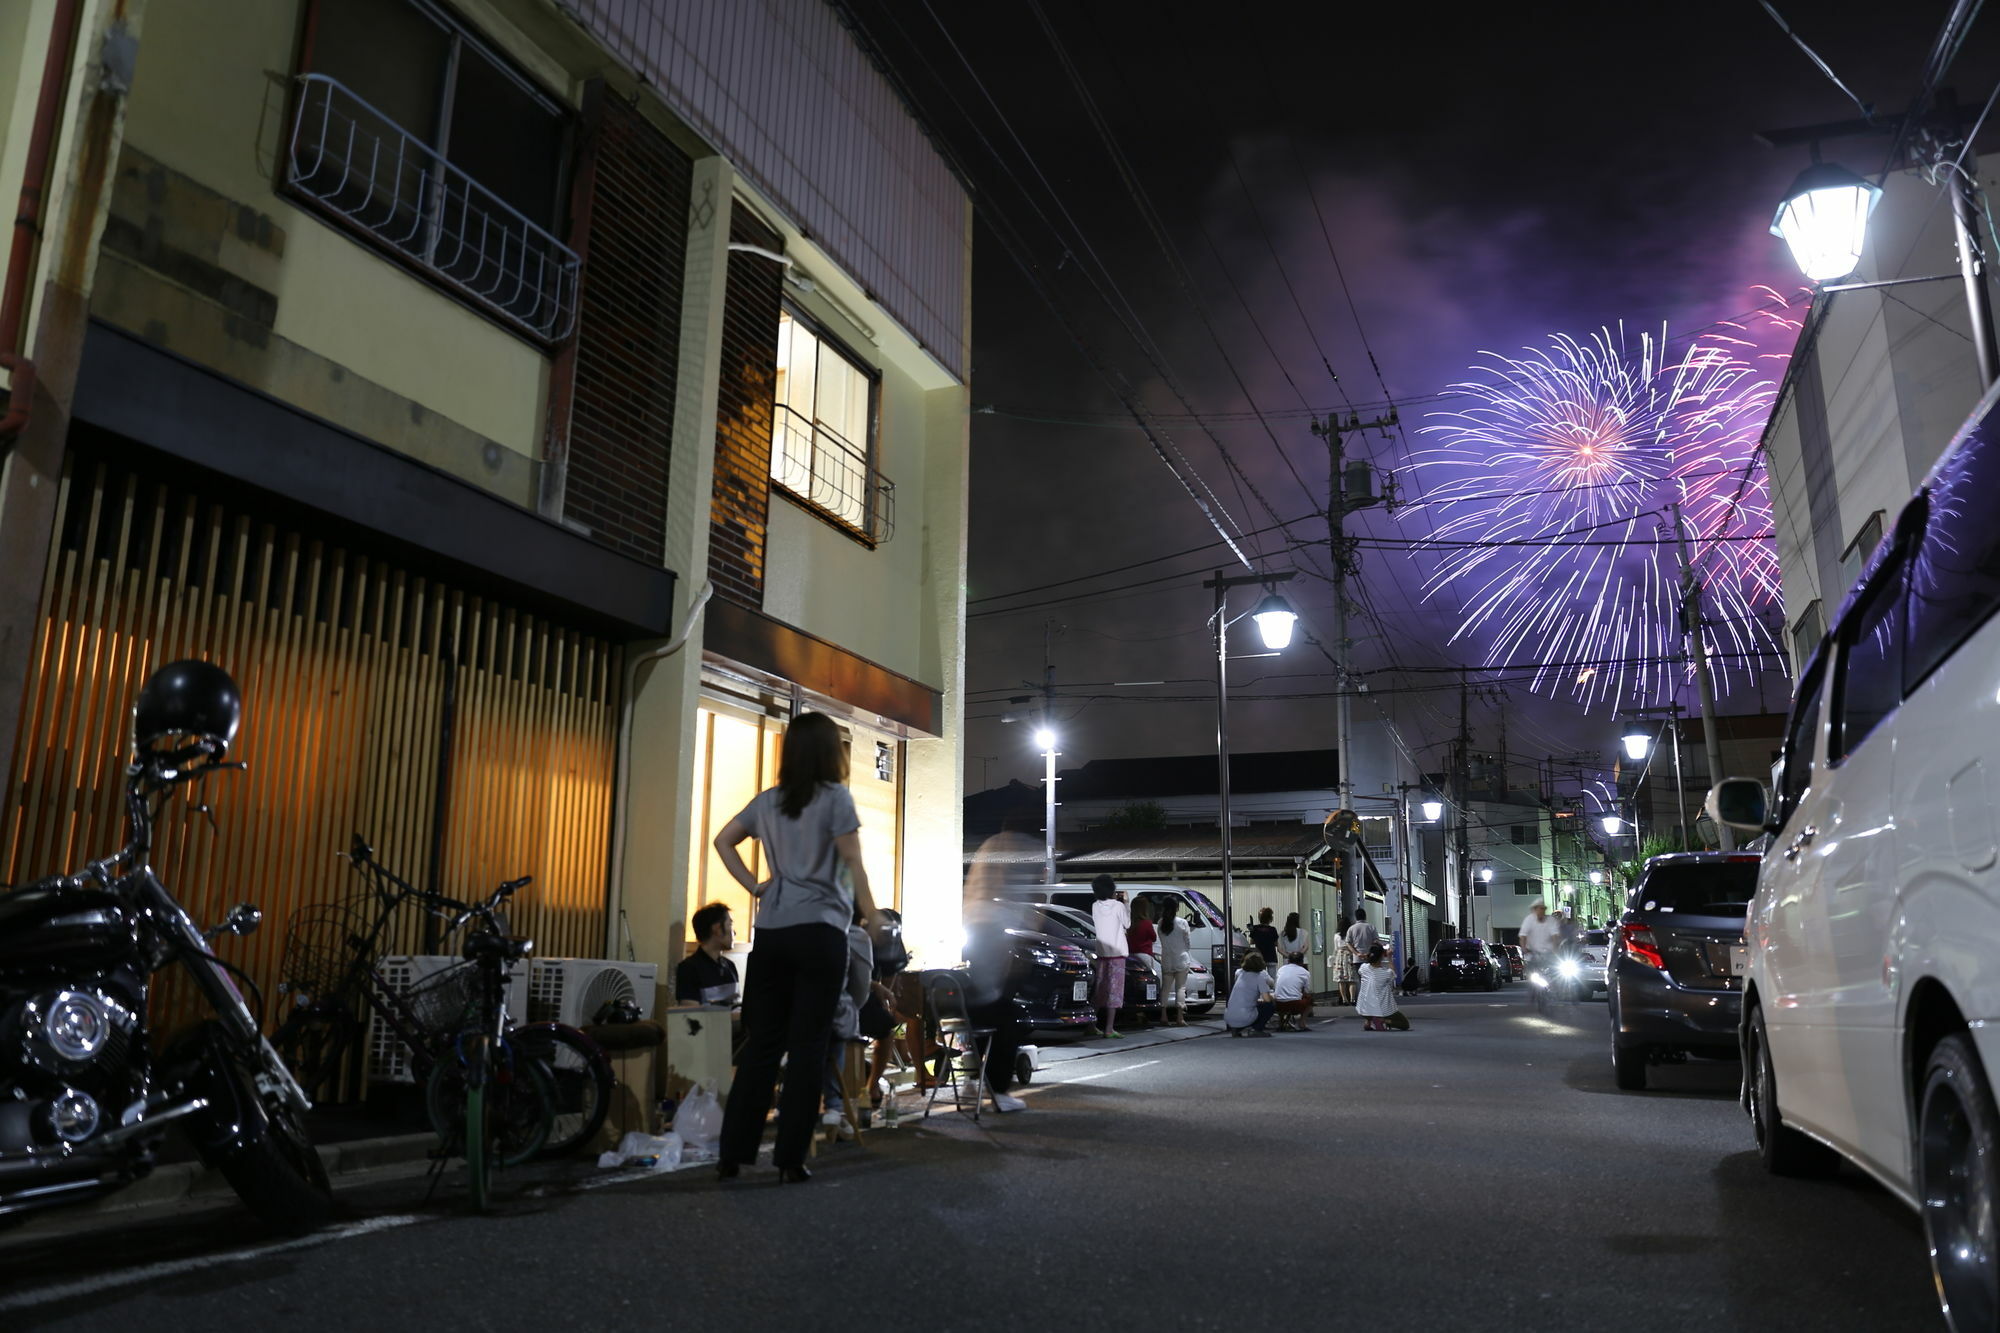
(1136, 564)
(1867, 109)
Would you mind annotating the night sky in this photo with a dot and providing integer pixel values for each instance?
(1481, 176)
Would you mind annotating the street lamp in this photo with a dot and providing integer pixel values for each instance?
(1824, 220)
(1433, 810)
(1597, 877)
(1486, 874)
(1275, 619)
(1612, 823)
(1638, 741)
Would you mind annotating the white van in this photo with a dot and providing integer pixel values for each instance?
(1192, 906)
(1871, 960)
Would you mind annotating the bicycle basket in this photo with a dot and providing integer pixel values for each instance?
(323, 943)
(446, 1001)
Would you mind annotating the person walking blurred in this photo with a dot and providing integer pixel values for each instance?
(1174, 958)
(1113, 920)
(809, 832)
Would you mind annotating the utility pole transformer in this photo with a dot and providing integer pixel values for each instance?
(1350, 486)
(1691, 621)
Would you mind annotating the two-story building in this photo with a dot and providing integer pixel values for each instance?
(533, 404)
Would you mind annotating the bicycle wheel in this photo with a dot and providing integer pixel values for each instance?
(519, 1100)
(582, 1077)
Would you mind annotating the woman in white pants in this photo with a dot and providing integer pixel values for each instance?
(1173, 946)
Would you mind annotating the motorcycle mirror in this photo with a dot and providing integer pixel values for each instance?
(243, 919)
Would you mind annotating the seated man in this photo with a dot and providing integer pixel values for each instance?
(1293, 993)
(705, 976)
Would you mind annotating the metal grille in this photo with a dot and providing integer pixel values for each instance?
(740, 503)
(833, 474)
(370, 173)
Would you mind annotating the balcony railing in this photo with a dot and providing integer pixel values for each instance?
(833, 476)
(367, 171)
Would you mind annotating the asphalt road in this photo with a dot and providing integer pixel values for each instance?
(1477, 1172)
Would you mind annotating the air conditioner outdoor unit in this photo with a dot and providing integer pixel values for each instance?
(439, 1000)
(572, 990)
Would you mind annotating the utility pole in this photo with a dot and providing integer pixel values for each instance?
(1462, 779)
(1350, 486)
(1691, 621)
(1048, 752)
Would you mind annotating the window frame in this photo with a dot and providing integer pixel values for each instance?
(462, 34)
(1812, 683)
(872, 375)
(1887, 579)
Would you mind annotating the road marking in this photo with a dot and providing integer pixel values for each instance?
(1085, 1078)
(90, 1286)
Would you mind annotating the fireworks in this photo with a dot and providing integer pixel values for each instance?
(1550, 483)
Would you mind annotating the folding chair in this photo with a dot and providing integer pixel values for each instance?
(963, 1049)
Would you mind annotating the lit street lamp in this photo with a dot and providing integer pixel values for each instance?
(1824, 220)
(1433, 810)
(1275, 620)
(1638, 741)
(1045, 737)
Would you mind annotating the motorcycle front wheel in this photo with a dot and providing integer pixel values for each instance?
(273, 1168)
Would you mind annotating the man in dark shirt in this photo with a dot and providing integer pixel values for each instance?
(706, 976)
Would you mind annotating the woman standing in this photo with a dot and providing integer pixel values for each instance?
(1264, 935)
(1293, 938)
(1113, 920)
(1345, 964)
(810, 833)
(1143, 939)
(1174, 942)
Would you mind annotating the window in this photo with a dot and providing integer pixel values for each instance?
(1528, 887)
(1855, 558)
(1527, 835)
(1801, 735)
(1871, 668)
(1807, 631)
(823, 439)
(1955, 567)
(415, 134)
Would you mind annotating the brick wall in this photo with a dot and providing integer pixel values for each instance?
(745, 408)
(633, 199)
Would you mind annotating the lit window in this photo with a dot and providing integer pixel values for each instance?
(823, 435)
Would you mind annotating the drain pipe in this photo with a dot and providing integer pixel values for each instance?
(28, 222)
(624, 767)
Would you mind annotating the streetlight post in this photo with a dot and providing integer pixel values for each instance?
(1275, 619)
(1046, 738)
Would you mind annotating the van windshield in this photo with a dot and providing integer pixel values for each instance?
(1720, 888)
(1208, 909)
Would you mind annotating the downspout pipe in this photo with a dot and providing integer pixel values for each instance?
(28, 221)
(622, 782)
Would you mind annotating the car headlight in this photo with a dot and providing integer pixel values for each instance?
(75, 1024)
(1568, 968)
(1044, 957)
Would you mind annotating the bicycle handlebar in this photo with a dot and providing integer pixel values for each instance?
(362, 856)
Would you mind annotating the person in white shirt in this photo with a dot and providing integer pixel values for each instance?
(1292, 992)
(1378, 990)
(1540, 936)
(1113, 919)
(1174, 943)
(1293, 938)
(1250, 1004)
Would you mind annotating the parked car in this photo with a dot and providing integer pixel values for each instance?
(1501, 964)
(1674, 990)
(1142, 973)
(1872, 944)
(1192, 906)
(1592, 949)
(1517, 963)
(1053, 977)
(1463, 964)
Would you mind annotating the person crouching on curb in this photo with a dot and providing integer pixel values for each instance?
(1250, 1003)
(1293, 993)
(1377, 999)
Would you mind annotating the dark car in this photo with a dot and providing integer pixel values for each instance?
(1142, 973)
(1673, 987)
(1463, 964)
(1053, 976)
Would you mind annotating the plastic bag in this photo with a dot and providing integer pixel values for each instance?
(698, 1122)
(662, 1152)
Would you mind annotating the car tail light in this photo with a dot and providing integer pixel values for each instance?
(1639, 942)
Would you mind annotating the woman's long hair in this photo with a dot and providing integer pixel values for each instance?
(1292, 924)
(813, 752)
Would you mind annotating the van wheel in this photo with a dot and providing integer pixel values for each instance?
(1628, 1065)
(1958, 1134)
(1784, 1150)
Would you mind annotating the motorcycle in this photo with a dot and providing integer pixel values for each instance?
(86, 1099)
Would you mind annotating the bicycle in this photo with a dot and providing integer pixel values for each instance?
(331, 969)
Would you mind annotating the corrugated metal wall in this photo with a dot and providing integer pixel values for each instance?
(782, 90)
(349, 666)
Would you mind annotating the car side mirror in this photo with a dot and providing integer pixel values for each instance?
(1740, 803)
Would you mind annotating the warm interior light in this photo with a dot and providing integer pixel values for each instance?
(1275, 619)
(1824, 220)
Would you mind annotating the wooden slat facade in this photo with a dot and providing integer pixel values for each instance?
(366, 686)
